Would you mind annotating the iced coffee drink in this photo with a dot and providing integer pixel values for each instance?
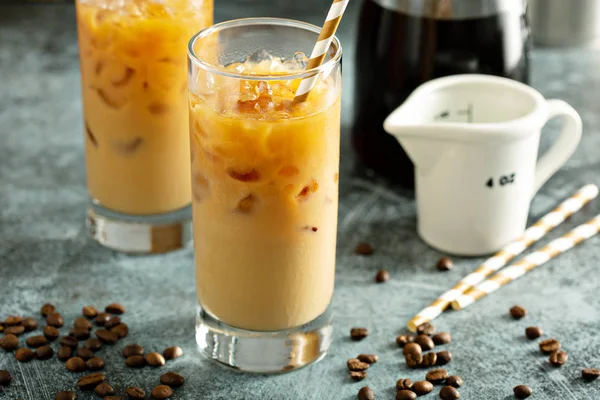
(134, 90)
(265, 190)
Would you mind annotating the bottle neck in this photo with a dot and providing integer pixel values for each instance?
(454, 9)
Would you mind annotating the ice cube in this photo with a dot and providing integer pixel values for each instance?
(300, 59)
(246, 204)
(258, 56)
(252, 175)
(263, 88)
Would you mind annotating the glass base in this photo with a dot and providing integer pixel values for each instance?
(140, 234)
(263, 352)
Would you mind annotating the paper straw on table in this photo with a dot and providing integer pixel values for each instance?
(320, 50)
(500, 259)
(533, 260)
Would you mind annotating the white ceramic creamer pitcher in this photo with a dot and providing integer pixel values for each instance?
(474, 141)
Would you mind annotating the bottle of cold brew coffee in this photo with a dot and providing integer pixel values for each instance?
(404, 43)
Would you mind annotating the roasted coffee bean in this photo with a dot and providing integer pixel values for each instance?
(518, 312)
(444, 264)
(9, 342)
(172, 352)
(161, 392)
(66, 396)
(104, 389)
(429, 360)
(522, 391)
(172, 379)
(55, 319)
(437, 375)
(533, 332)
(406, 395)
(426, 329)
(590, 374)
(133, 350)
(365, 393)
(95, 363)
(13, 320)
(89, 311)
(403, 384)
(454, 381)
(382, 276)
(69, 341)
(135, 393)
(75, 364)
(84, 354)
(357, 334)
(413, 355)
(443, 357)
(441, 338)
(47, 309)
(36, 341)
(24, 354)
(51, 333)
(80, 333)
(358, 375)
(112, 322)
(29, 324)
(155, 359)
(354, 364)
(449, 393)
(1, 328)
(425, 342)
(115, 308)
(549, 345)
(403, 340)
(363, 249)
(135, 362)
(101, 318)
(113, 398)
(412, 348)
(558, 358)
(120, 330)
(64, 353)
(5, 378)
(93, 344)
(44, 352)
(422, 387)
(82, 322)
(368, 358)
(90, 381)
(106, 337)
(16, 330)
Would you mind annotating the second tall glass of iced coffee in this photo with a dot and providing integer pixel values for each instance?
(265, 193)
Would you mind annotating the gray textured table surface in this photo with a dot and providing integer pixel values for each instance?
(45, 255)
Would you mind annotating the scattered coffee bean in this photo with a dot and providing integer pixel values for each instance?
(161, 392)
(403, 340)
(155, 359)
(558, 358)
(533, 332)
(90, 381)
(51, 333)
(518, 312)
(13, 320)
(132, 350)
(101, 318)
(172, 379)
(17, 330)
(106, 337)
(47, 309)
(365, 393)
(135, 362)
(1, 328)
(437, 375)
(549, 345)
(24, 354)
(403, 383)
(55, 319)
(354, 364)
(120, 330)
(413, 355)
(522, 391)
(429, 360)
(363, 249)
(455, 381)
(443, 357)
(449, 393)
(75, 364)
(444, 264)
(412, 348)
(69, 341)
(36, 341)
(382, 276)
(89, 311)
(82, 322)
(112, 322)
(84, 354)
(172, 352)
(115, 308)
(29, 324)
(95, 363)
(135, 393)
(426, 329)
(80, 333)
(5, 378)
(9, 342)
(113, 398)
(358, 375)
(422, 387)
(93, 344)
(64, 353)
(358, 333)
(442, 338)
(66, 396)
(425, 342)
(44, 352)
(590, 374)
(368, 358)
(104, 389)
(406, 395)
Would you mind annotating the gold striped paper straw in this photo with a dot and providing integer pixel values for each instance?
(500, 259)
(334, 16)
(533, 260)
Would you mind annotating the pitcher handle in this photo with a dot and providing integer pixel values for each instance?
(565, 144)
